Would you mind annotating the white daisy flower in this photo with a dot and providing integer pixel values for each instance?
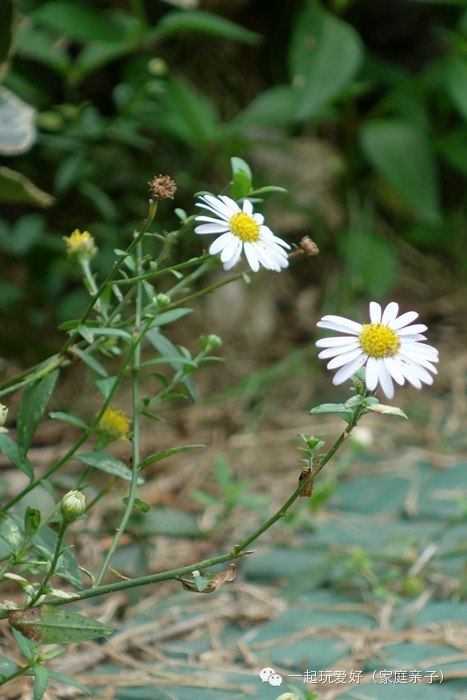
(391, 349)
(241, 230)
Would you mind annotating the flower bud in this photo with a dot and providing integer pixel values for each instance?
(162, 299)
(80, 246)
(213, 342)
(73, 505)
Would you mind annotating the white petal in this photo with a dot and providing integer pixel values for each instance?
(247, 207)
(341, 324)
(348, 370)
(411, 330)
(234, 259)
(337, 341)
(404, 320)
(230, 249)
(371, 374)
(390, 314)
(252, 258)
(375, 312)
(385, 379)
(343, 358)
(395, 370)
(211, 228)
(220, 243)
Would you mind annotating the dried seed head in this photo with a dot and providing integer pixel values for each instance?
(162, 187)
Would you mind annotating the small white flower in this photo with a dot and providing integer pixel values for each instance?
(241, 229)
(390, 347)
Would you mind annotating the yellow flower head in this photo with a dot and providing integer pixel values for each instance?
(113, 425)
(80, 246)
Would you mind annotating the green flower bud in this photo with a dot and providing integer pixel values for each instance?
(162, 300)
(73, 505)
(213, 342)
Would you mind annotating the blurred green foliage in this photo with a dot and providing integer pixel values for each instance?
(97, 97)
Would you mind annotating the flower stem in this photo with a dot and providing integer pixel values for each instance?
(53, 564)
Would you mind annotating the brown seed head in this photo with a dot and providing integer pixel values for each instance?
(162, 187)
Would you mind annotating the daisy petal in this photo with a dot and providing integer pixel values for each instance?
(375, 312)
(390, 314)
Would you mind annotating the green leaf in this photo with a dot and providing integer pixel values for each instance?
(11, 533)
(31, 408)
(338, 408)
(76, 20)
(68, 418)
(16, 188)
(157, 456)
(41, 680)
(7, 11)
(91, 361)
(68, 680)
(238, 165)
(7, 667)
(10, 449)
(325, 55)
(188, 114)
(98, 53)
(17, 127)
(26, 647)
(386, 410)
(45, 541)
(277, 106)
(401, 153)
(204, 23)
(49, 624)
(34, 43)
(170, 316)
(106, 463)
(32, 520)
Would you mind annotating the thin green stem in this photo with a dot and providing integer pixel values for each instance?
(53, 564)
(237, 551)
(135, 379)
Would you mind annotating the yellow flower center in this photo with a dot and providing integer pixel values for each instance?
(244, 227)
(378, 340)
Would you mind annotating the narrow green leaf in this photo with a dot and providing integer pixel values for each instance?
(238, 165)
(11, 532)
(77, 20)
(170, 316)
(337, 408)
(401, 153)
(68, 680)
(157, 456)
(68, 418)
(91, 361)
(456, 83)
(386, 410)
(15, 187)
(106, 463)
(41, 680)
(26, 647)
(48, 624)
(10, 449)
(32, 406)
(203, 23)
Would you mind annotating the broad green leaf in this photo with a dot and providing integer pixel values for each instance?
(7, 667)
(32, 406)
(7, 12)
(401, 153)
(68, 418)
(277, 106)
(41, 680)
(203, 23)
(34, 43)
(10, 449)
(76, 20)
(188, 114)
(45, 541)
(241, 178)
(325, 55)
(17, 124)
(49, 624)
(16, 188)
(106, 463)
(238, 165)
